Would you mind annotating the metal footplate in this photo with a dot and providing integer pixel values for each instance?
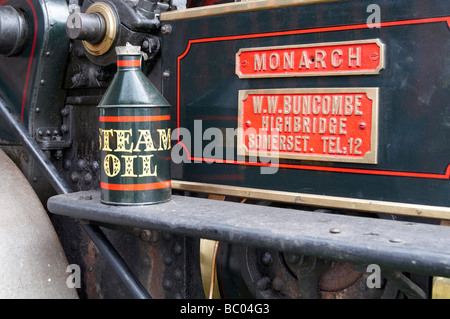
(407, 246)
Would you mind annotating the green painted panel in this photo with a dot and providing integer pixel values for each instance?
(413, 153)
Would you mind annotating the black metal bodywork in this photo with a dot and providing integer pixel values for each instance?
(412, 158)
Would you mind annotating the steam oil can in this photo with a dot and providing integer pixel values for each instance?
(134, 136)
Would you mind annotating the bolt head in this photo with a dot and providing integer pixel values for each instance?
(266, 259)
(335, 230)
(146, 234)
(166, 74)
(74, 177)
(166, 29)
(263, 283)
(278, 284)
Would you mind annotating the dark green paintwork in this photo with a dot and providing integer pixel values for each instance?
(132, 88)
(414, 110)
(32, 81)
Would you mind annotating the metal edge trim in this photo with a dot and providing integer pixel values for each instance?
(227, 8)
(371, 206)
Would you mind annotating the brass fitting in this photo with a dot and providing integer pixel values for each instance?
(110, 32)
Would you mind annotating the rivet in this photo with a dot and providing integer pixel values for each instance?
(167, 284)
(177, 249)
(42, 82)
(178, 274)
(335, 230)
(74, 177)
(266, 259)
(278, 284)
(263, 283)
(67, 164)
(95, 166)
(81, 164)
(168, 261)
(64, 112)
(293, 259)
(374, 56)
(146, 235)
(166, 29)
(87, 178)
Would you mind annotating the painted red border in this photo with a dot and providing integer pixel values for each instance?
(135, 187)
(30, 60)
(122, 63)
(445, 175)
(150, 118)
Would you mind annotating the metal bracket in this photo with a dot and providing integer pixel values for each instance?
(57, 138)
(388, 243)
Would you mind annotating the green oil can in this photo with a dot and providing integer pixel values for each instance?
(134, 136)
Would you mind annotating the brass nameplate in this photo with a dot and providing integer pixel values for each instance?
(319, 59)
(323, 124)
